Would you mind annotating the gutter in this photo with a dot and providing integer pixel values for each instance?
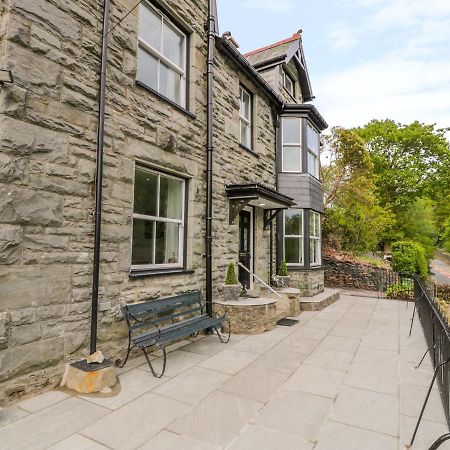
(99, 178)
(308, 109)
(211, 24)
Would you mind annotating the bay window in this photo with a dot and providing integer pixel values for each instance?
(313, 142)
(245, 117)
(314, 238)
(158, 220)
(293, 236)
(291, 144)
(161, 61)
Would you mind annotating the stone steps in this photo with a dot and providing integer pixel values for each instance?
(319, 301)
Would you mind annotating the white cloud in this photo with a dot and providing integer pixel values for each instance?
(279, 6)
(341, 37)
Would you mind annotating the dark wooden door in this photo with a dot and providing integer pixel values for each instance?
(245, 246)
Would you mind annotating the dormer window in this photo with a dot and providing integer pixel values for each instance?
(289, 84)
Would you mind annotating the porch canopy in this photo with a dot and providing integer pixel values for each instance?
(242, 195)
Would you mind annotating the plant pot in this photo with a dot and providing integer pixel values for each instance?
(286, 280)
(231, 292)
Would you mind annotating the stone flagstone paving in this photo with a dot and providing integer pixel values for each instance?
(341, 379)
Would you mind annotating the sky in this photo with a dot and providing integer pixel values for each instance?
(367, 59)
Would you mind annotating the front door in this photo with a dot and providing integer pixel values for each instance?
(245, 247)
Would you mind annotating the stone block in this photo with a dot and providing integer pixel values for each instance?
(13, 169)
(13, 100)
(89, 382)
(10, 240)
(38, 286)
(29, 357)
(26, 206)
(24, 334)
(4, 328)
(22, 316)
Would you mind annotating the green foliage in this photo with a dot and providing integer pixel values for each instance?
(446, 236)
(283, 270)
(409, 258)
(231, 275)
(404, 289)
(443, 292)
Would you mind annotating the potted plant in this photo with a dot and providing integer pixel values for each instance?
(231, 288)
(283, 274)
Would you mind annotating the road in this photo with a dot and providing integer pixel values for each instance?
(441, 271)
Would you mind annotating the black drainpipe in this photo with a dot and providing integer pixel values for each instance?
(99, 178)
(211, 26)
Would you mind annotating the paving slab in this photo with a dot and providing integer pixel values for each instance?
(255, 383)
(345, 344)
(255, 344)
(261, 438)
(330, 359)
(339, 436)
(366, 409)
(136, 422)
(284, 414)
(282, 357)
(166, 440)
(11, 414)
(217, 420)
(229, 361)
(427, 433)
(50, 425)
(77, 442)
(193, 385)
(42, 401)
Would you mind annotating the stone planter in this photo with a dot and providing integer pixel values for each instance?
(231, 292)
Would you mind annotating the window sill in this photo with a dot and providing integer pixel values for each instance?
(317, 179)
(167, 100)
(249, 150)
(137, 274)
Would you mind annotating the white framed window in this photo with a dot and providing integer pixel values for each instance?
(293, 236)
(161, 60)
(245, 117)
(289, 83)
(314, 239)
(313, 143)
(291, 157)
(158, 220)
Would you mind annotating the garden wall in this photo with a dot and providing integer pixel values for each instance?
(351, 274)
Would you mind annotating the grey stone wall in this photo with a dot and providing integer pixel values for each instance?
(341, 273)
(309, 282)
(47, 164)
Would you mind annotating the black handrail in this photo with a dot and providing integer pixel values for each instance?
(437, 336)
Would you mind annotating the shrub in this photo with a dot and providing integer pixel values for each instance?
(409, 257)
(231, 275)
(404, 289)
(283, 270)
(443, 292)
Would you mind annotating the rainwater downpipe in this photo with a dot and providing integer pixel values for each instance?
(99, 178)
(211, 27)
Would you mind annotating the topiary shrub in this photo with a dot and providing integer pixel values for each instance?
(231, 278)
(409, 258)
(283, 270)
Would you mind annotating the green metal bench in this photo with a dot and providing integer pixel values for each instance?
(158, 323)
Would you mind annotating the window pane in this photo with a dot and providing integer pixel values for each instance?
(292, 250)
(171, 198)
(312, 251)
(292, 159)
(170, 84)
(245, 134)
(313, 139)
(147, 69)
(313, 165)
(150, 23)
(142, 251)
(288, 84)
(293, 222)
(145, 192)
(245, 104)
(291, 130)
(167, 237)
(173, 45)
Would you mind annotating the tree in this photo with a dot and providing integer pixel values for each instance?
(354, 219)
(410, 161)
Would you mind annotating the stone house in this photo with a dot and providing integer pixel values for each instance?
(266, 159)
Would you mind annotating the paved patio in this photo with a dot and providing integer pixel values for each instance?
(341, 379)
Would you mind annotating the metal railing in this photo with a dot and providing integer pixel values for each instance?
(437, 336)
(397, 286)
(259, 279)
